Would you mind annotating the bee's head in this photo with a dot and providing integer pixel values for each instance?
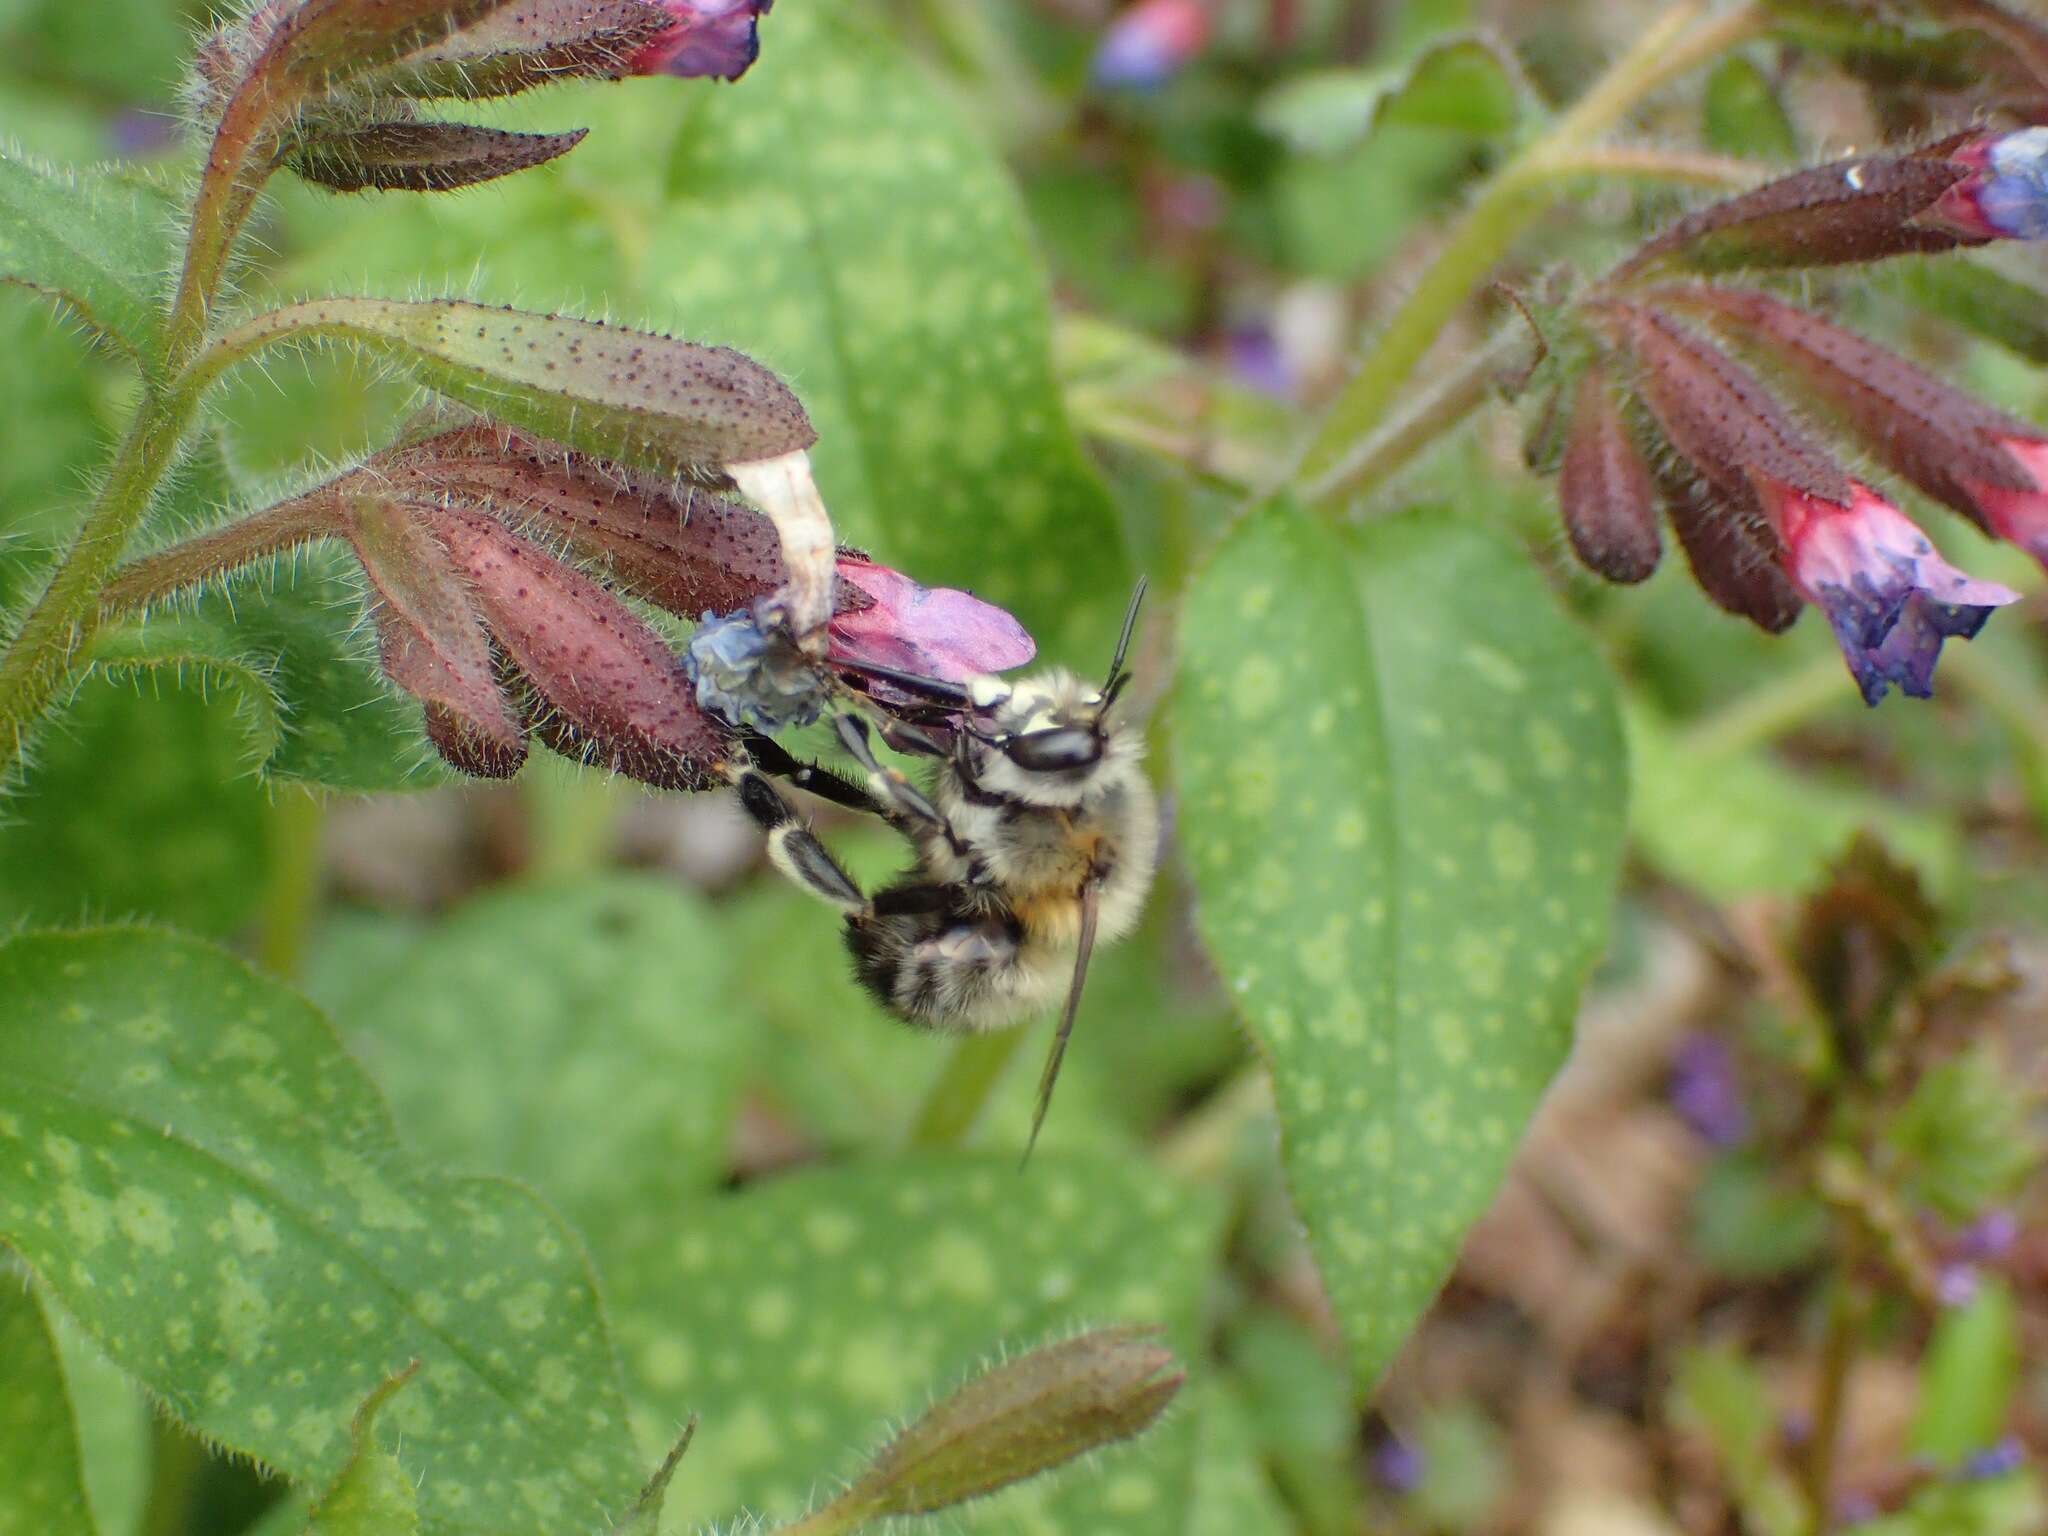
(1048, 738)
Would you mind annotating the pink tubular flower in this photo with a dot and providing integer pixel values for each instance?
(1887, 592)
(1151, 43)
(933, 631)
(2020, 516)
(706, 38)
(2007, 198)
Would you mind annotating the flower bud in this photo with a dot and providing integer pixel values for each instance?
(605, 687)
(1717, 414)
(422, 157)
(1733, 553)
(1860, 209)
(1604, 490)
(431, 639)
(1991, 467)
(704, 39)
(635, 397)
(2005, 195)
(1018, 1419)
(530, 43)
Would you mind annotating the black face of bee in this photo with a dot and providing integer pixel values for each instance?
(1062, 749)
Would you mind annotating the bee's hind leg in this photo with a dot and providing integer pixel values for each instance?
(793, 847)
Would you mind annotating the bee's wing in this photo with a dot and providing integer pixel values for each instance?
(1090, 900)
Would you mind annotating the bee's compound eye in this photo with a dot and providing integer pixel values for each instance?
(1059, 750)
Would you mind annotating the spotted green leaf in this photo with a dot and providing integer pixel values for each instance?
(98, 242)
(614, 1056)
(374, 1495)
(141, 802)
(42, 1488)
(289, 651)
(803, 1317)
(839, 219)
(1401, 797)
(212, 1188)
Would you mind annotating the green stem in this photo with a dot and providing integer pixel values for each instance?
(1505, 206)
(1838, 1356)
(1377, 457)
(293, 832)
(572, 819)
(66, 617)
(955, 1099)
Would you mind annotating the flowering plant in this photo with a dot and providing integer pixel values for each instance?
(418, 1110)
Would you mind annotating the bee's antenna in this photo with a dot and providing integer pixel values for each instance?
(1114, 683)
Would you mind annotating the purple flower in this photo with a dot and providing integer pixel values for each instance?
(1955, 1285)
(1397, 1464)
(1886, 590)
(2001, 1460)
(1258, 361)
(1989, 1237)
(706, 39)
(139, 132)
(933, 631)
(1705, 1091)
(2007, 198)
(1151, 43)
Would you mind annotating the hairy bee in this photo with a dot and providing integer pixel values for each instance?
(1035, 840)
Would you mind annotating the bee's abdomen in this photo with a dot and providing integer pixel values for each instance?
(949, 970)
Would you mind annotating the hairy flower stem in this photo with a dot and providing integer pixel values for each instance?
(1504, 207)
(1837, 1357)
(954, 1101)
(66, 617)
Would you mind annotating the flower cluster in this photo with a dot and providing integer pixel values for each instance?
(499, 566)
(1663, 412)
(358, 81)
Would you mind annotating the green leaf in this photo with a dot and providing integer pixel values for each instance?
(1465, 85)
(617, 1102)
(802, 1316)
(373, 1496)
(1401, 796)
(1966, 1137)
(1743, 114)
(290, 647)
(211, 1187)
(1969, 1377)
(841, 220)
(95, 240)
(1723, 1398)
(42, 1489)
(1981, 299)
(140, 803)
(1733, 824)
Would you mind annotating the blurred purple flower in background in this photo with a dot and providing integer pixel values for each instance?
(1989, 1237)
(2000, 1460)
(1257, 361)
(1150, 43)
(1706, 1092)
(139, 132)
(1397, 1464)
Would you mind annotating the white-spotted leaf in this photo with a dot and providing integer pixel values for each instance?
(42, 1486)
(204, 1180)
(614, 1057)
(1401, 799)
(840, 219)
(803, 1318)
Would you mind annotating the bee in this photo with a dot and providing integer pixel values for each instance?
(1035, 839)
